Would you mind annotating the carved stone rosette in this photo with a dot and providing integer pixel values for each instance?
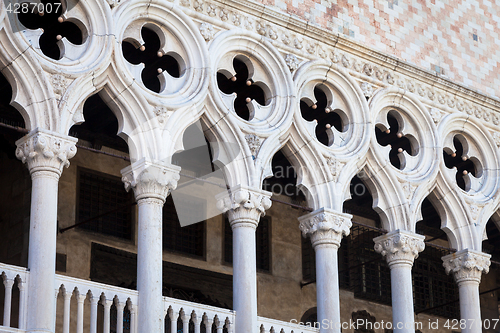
(400, 247)
(467, 265)
(244, 206)
(325, 226)
(150, 180)
(44, 150)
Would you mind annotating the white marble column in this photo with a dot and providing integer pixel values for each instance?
(467, 267)
(326, 228)
(244, 207)
(401, 248)
(46, 153)
(151, 183)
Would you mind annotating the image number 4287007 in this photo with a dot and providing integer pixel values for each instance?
(15, 7)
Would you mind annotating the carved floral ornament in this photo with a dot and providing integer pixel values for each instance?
(400, 247)
(467, 265)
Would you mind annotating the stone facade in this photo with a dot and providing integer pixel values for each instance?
(343, 90)
(455, 39)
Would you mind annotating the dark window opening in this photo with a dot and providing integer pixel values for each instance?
(322, 113)
(462, 164)
(153, 59)
(284, 180)
(361, 201)
(54, 28)
(308, 261)
(434, 290)
(310, 317)
(104, 203)
(8, 114)
(188, 240)
(397, 140)
(100, 126)
(244, 87)
(263, 244)
(492, 244)
(119, 268)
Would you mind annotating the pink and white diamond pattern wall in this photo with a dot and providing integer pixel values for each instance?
(456, 38)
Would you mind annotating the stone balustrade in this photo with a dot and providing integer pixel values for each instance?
(89, 296)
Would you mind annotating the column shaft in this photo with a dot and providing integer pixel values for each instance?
(244, 207)
(327, 286)
(400, 248)
(149, 265)
(470, 307)
(151, 183)
(46, 154)
(42, 251)
(326, 228)
(402, 298)
(245, 279)
(467, 267)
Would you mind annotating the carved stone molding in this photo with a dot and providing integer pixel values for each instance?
(254, 144)
(244, 206)
(367, 89)
(292, 62)
(162, 114)
(400, 247)
(335, 167)
(467, 265)
(44, 150)
(207, 31)
(429, 87)
(325, 226)
(150, 180)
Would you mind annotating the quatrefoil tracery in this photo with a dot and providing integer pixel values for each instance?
(158, 69)
(58, 37)
(250, 95)
(463, 162)
(403, 148)
(330, 120)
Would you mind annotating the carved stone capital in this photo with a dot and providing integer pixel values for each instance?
(400, 247)
(325, 226)
(44, 150)
(150, 180)
(244, 206)
(467, 265)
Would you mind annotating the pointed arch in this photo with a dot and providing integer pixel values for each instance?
(31, 95)
(388, 198)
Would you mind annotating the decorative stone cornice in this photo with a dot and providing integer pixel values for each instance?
(400, 247)
(244, 206)
(325, 226)
(467, 265)
(44, 150)
(150, 180)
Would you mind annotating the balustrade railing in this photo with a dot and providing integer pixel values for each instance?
(276, 326)
(95, 294)
(183, 316)
(95, 307)
(15, 297)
